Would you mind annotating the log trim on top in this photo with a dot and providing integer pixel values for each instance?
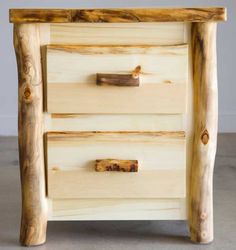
(117, 15)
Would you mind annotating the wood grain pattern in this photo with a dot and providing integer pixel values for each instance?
(129, 122)
(118, 33)
(189, 118)
(160, 175)
(205, 132)
(116, 165)
(31, 153)
(110, 135)
(117, 209)
(39, 15)
(73, 184)
(151, 149)
(92, 99)
(72, 79)
(45, 39)
(75, 64)
(117, 15)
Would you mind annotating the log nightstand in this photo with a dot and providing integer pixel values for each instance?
(117, 116)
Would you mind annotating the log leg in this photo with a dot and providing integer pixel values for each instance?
(30, 134)
(205, 131)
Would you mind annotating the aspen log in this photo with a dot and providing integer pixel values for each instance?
(120, 79)
(117, 80)
(117, 15)
(205, 131)
(31, 153)
(116, 165)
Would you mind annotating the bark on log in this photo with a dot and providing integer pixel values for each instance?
(116, 165)
(205, 131)
(117, 15)
(31, 153)
(117, 80)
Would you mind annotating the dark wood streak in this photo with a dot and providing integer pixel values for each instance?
(39, 15)
(68, 135)
(117, 15)
(100, 16)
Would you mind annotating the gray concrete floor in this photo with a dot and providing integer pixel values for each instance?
(122, 235)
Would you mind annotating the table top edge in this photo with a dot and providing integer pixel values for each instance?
(207, 14)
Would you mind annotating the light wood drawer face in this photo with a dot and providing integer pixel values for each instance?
(118, 33)
(71, 79)
(71, 161)
(118, 209)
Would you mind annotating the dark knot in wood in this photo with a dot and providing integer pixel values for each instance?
(27, 94)
(136, 72)
(203, 216)
(205, 137)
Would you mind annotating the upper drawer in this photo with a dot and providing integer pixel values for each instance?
(72, 70)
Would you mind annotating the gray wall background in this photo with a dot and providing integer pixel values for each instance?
(226, 53)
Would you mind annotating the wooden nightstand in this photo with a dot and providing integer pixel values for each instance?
(117, 116)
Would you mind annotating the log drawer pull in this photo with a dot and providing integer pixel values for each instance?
(131, 79)
(116, 165)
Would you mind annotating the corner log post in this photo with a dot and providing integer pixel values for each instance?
(203, 37)
(30, 134)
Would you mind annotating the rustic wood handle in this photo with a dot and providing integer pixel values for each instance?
(131, 79)
(116, 165)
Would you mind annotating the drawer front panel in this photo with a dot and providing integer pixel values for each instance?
(72, 88)
(118, 33)
(117, 209)
(71, 165)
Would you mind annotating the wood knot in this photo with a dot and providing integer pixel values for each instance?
(136, 72)
(203, 216)
(54, 169)
(27, 94)
(204, 235)
(205, 137)
(168, 81)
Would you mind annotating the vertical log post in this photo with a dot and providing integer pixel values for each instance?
(30, 132)
(203, 37)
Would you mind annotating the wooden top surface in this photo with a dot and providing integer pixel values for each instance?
(117, 15)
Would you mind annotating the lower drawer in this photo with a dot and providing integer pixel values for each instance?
(117, 209)
(72, 156)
